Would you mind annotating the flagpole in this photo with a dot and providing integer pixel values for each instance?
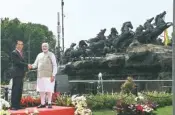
(173, 58)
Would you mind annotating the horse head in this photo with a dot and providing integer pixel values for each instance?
(83, 43)
(73, 45)
(162, 14)
(140, 28)
(150, 20)
(126, 26)
(103, 31)
(114, 31)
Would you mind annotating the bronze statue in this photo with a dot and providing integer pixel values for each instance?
(125, 38)
(159, 19)
(101, 45)
(126, 27)
(100, 36)
(112, 36)
(148, 26)
(67, 53)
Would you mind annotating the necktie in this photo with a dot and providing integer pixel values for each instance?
(21, 53)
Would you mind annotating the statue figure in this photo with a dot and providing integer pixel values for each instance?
(141, 36)
(112, 36)
(100, 36)
(126, 27)
(72, 45)
(82, 44)
(161, 25)
(125, 38)
(148, 26)
(76, 54)
(139, 30)
(96, 48)
(67, 53)
(159, 20)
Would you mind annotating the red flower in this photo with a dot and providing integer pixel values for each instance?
(55, 96)
(29, 101)
(139, 108)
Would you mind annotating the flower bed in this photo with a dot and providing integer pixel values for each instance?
(80, 104)
(4, 105)
(139, 107)
(143, 104)
(107, 101)
(29, 101)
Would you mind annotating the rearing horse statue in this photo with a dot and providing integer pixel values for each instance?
(126, 36)
(161, 25)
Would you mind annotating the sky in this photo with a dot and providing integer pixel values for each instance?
(85, 18)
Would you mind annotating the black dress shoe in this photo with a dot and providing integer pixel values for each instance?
(49, 105)
(41, 106)
(21, 107)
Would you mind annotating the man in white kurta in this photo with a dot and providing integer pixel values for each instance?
(46, 70)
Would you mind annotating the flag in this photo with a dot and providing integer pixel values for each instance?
(166, 38)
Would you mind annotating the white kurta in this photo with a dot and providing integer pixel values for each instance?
(43, 83)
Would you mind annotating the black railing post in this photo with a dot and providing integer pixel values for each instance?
(6, 93)
(55, 88)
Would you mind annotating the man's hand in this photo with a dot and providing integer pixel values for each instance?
(52, 78)
(29, 66)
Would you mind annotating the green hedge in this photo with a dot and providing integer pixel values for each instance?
(107, 101)
(161, 98)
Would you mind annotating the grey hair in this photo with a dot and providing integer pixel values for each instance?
(45, 44)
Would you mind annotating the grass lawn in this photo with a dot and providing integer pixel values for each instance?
(161, 111)
(164, 111)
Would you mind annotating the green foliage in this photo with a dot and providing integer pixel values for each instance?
(164, 110)
(160, 111)
(107, 101)
(12, 30)
(161, 98)
(128, 86)
(63, 101)
(4, 83)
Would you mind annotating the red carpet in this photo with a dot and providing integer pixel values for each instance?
(56, 110)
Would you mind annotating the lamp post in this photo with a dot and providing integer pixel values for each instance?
(100, 75)
(173, 58)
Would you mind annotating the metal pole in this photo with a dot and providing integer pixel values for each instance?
(62, 4)
(58, 32)
(173, 58)
(29, 50)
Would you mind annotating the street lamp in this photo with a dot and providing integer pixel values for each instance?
(100, 75)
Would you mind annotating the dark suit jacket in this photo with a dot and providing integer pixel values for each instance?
(19, 64)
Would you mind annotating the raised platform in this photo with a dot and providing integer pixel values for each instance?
(56, 110)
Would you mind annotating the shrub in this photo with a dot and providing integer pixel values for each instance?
(107, 101)
(161, 98)
(128, 86)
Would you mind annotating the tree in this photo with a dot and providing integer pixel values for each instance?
(32, 35)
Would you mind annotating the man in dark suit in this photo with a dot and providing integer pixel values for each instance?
(19, 66)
